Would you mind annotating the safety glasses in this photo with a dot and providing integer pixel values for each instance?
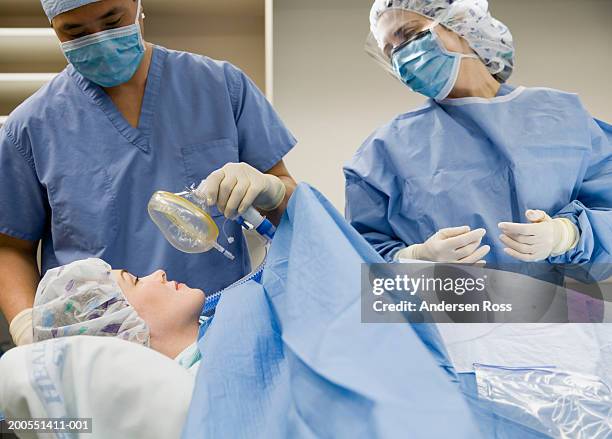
(384, 57)
(409, 41)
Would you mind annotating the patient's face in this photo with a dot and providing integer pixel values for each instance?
(165, 305)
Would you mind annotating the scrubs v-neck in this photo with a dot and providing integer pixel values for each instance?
(78, 176)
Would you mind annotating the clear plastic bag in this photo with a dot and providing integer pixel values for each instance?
(557, 403)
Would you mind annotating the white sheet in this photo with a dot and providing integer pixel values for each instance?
(585, 348)
(130, 391)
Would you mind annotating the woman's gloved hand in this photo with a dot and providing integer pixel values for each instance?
(237, 186)
(21, 328)
(542, 238)
(454, 245)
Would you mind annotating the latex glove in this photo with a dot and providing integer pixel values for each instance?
(21, 328)
(237, 186)
(454, 245)
(540, 239)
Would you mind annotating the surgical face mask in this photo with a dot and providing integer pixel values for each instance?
(108, 58)
(424, 65)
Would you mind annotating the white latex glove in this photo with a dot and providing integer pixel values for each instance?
(454, 245)
(237, 186)
(21, 328)
(541, 238)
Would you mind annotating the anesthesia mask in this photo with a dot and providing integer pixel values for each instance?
(186, 223)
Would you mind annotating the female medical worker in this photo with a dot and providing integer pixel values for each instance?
(452, 180)
(80, 159)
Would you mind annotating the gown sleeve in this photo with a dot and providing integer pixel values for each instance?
(366, 210)
(22, 198)
(591, 212)
(263, 139)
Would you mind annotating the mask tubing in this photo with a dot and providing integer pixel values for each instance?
(223, 251)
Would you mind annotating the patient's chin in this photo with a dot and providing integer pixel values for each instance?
(197, 294)
(201, 293)
(192, 301)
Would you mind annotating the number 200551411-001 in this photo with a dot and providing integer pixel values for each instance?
(46, 425)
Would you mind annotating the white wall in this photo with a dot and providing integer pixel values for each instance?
(332, 96)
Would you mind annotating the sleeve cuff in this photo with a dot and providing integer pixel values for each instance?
(570, 236)
(21, 328)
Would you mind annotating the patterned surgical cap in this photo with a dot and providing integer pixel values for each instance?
(470, 19)
(82, 298)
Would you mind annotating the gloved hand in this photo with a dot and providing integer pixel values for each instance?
(542, 238)
(21, 328)
(237, 186)
(454, 245)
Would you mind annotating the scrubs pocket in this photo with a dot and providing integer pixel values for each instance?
(202, 159)
(84, 211)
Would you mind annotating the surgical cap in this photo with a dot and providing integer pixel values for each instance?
(55, 7)
(82, 298)
(470, 19)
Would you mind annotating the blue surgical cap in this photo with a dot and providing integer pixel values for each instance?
(55, 7)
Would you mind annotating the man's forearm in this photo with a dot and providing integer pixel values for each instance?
(19, 276)
(290, 185)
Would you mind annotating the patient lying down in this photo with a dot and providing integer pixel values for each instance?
(89, 298)
(123, 387)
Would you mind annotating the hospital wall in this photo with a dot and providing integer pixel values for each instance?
(332, 96)
(30, 53)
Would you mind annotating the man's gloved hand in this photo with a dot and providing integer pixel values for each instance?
(237, 186)
(454, 245)
(21, 328)
(540, 239)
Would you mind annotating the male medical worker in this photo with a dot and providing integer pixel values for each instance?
(80, 159)
(484, 170)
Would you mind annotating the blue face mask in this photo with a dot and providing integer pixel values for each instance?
(109, 58)
(427, 67)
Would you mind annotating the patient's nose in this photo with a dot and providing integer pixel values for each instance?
(159, 275)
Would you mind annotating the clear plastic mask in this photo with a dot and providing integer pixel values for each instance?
(185, 223)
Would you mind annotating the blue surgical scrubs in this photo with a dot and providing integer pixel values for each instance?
(78, 176)
(479, 162)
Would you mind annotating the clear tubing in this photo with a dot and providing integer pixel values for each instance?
(223, 251)
(230, 239)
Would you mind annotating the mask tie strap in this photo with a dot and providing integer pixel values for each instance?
(437, 37)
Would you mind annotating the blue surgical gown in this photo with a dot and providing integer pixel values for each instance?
(479, 162)
(291, 358)
(75, 174)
